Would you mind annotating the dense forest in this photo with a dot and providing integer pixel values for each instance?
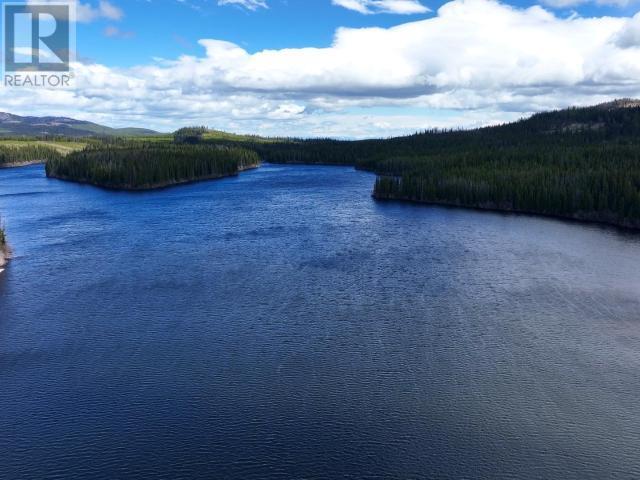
(19, 155)
(581, 163)
(616, 122)
(578, 163)
(141, 166)
(592, 182)
(189, 135)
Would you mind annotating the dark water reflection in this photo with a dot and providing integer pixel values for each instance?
(283, 325)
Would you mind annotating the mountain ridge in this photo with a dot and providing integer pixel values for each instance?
(16, 125)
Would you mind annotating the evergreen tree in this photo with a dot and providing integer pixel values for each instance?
(147, 165)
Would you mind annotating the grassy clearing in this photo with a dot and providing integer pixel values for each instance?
(63, 148)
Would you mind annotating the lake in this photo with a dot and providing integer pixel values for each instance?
(283, 324)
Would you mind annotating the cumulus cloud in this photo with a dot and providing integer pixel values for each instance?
(629, 35)
(471, 44)
(486, 60)
(248, 4)
(87, 12)
(403, 7)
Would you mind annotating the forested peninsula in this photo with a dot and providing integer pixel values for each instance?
(145, 166)
(578, 163)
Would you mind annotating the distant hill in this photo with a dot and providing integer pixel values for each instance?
(617, 121)
(14, 125)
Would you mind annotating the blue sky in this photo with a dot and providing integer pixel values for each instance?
(343, 68)
(169, 28)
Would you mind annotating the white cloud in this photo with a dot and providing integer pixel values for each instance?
(629, 35)
(403, 7)
(248, 4)
(114, 32)
(87, 12)
(486, 60)
(108, 10)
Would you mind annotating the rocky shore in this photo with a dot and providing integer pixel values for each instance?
(4, 257)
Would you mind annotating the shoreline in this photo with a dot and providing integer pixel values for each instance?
(634, 229)
(22, 164)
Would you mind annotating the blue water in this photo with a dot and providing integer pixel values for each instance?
(282, 324)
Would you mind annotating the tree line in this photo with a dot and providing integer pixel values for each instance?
(138, 165)
(24, 154)
(591, 182)
(579, 163)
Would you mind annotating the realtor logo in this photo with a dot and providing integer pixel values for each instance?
(39, 41)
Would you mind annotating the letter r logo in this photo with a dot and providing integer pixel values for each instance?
(37, 37)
